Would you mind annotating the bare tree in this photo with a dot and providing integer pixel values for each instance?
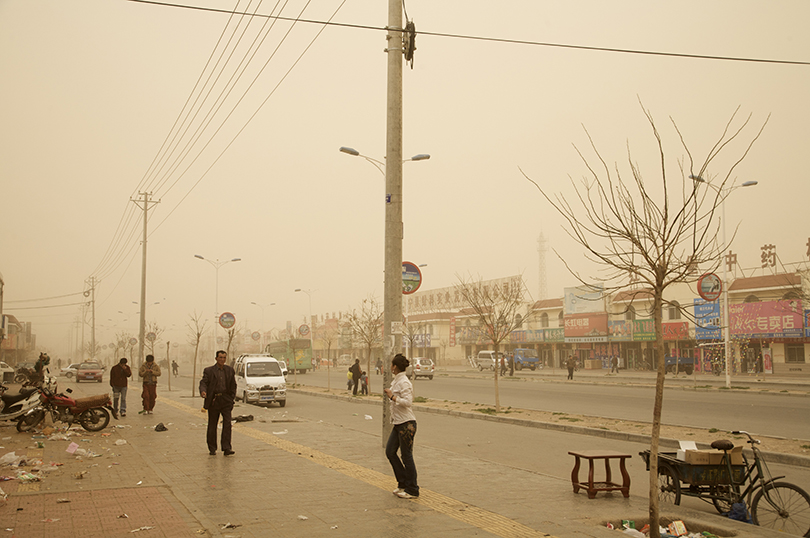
(329, 334)
(410, 335)
(234, 333)
(654, 233)
(366, 326)
(498, 307)
(153, 327)
(196, 329)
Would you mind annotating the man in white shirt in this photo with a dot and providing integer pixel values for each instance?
(401, 397)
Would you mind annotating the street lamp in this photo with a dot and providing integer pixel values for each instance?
(216, 265)
(262, 325)
(724, 193)
(311, 330)
(379, 165)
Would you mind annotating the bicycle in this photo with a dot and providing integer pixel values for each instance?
(775, 504)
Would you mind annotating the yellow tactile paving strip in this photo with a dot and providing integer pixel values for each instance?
(471, 515)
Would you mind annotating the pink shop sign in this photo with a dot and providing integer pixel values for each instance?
(767, 319)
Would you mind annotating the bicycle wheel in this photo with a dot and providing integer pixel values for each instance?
(723, 496)
(669, 486)
(783, 507)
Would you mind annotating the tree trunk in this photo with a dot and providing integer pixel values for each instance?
(497, 392)
(656, 422)
(194, 368)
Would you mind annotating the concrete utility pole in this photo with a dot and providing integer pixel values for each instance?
(144, 204)
(392, 301)
(91, 282)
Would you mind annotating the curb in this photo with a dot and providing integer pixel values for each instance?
(770, 457)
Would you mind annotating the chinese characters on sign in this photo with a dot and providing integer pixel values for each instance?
(768, 256)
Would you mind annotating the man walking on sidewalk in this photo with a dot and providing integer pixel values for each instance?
(118, 381)
(149, 372)
(571, 363)
(218, 387)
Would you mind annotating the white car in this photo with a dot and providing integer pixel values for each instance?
(420, 367)
(70, 370)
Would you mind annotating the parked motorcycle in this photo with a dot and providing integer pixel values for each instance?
(13, 406)
(92, 412)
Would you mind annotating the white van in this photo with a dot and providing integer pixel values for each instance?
(487, 359)
(259, 380)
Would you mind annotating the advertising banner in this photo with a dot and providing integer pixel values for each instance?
(453, 331)
(526, 337)
(767, 319)
(643, 330)
(707, 320)
(556, 335)
(620, 331)
(767, 360)
(586, 327)
(807, 323)
(678, 330)
(584, 299)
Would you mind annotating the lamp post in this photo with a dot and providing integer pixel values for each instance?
(392, 300)
(216, 265)
(311, 330)
(724, 193)
(261, 340)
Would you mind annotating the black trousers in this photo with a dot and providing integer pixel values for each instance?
(214, 412)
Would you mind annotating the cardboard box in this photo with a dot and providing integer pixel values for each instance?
(713, 457)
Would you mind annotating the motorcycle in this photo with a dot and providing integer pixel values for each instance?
(92, 413)
(13, 406)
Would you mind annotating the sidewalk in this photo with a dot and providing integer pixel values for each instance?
(322, 459)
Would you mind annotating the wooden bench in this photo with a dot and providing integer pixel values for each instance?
(591, 486)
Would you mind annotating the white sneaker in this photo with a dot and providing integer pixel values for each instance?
(397, 491)
(405, 495)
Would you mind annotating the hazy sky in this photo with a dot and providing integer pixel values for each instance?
(90, 89)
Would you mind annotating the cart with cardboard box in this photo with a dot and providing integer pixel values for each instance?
(723, 476)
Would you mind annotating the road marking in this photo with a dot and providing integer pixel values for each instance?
(466, 513)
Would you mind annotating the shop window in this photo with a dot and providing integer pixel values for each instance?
(794, 353)
(751, 299)
(674, 310)
(630, 313)
(560, 320)
(518, 321)
(544, 320)
(790, 295)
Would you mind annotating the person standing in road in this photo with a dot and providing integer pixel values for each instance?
(118, 381)
(401, 396)
(357, 373)
(511, 365)
(175, 367)
(571, 363)
(378, 366)
(218, 388)
(614, 364)
(503, 366)
(149, 372)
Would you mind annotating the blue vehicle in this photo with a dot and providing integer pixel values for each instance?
(679, 364)
(526, 358)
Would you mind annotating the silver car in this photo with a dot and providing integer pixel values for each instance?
(420, 367)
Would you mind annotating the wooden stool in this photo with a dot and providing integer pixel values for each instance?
(591, 486)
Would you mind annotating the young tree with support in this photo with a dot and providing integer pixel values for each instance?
(366, 327)
(651, 235)
(196, 329)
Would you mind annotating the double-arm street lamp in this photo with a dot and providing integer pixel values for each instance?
(216, 265)
(726, 324)
(392, 300)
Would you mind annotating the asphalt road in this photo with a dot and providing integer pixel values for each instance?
(773, 414)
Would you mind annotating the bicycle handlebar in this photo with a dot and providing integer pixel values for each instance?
(750, 439)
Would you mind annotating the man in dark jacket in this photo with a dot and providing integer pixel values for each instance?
(118, 381)
(218, 387)
(356, 374)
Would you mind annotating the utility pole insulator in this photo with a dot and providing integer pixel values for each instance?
(409, 42)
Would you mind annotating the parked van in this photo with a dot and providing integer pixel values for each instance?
(259, 380)
(487, 359)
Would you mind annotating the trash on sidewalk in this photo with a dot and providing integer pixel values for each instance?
(161, 428)
(677, 528)
(11, 459)
(369, 417)
(58, 437)
(26, 477)
(3, 495)
(139, 483)
(303, 518)
(230, 525)
(72, 447)
(122, 516)
(81, 474)
(144, 528)
(62, 501)
(333, 527)
(49, 520)
(280, 433)
(120, 442)
(243, 418)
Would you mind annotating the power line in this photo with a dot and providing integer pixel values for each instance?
(495, 39)
(46, 306)
(43, 298)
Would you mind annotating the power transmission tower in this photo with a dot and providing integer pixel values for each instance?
(144, 204)
(542, 248)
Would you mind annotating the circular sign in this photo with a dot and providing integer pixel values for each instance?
(256, 335)
(151, 336)
(227, 320)
(411, 278)
(710, 287)
(133, 341)
(303, 330)
(220, 340)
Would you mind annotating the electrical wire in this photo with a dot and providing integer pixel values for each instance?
(503, 40)
(43, 298)
(46, 306)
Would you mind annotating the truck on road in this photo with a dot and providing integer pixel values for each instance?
(679, 364)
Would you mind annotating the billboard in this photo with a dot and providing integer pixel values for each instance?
(584, 299)
(586, 327)
(707, 320)
(767, 319)
(620, 331)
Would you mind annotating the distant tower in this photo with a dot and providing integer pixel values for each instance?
(542, 248)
